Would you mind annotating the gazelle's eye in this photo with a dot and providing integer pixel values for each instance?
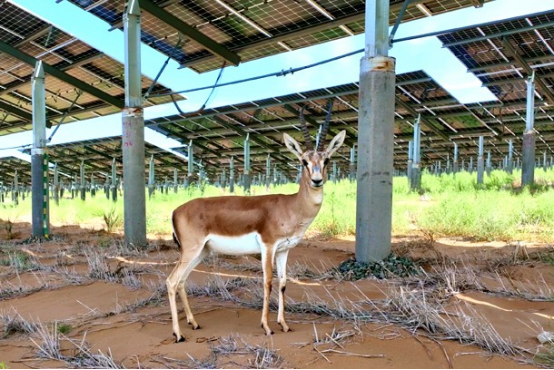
(305, 162)
(326, 161)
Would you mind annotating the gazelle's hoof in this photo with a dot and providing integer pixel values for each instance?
(285, 328)
(179, 338)
(268, 331)
(195, 326)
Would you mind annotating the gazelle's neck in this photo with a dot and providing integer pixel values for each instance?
(308, 198)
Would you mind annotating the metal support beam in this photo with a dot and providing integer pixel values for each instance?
(134, 197)
(375, 138)
(191, 32)
(39, 178)
(175, 181)
(530, 72)
(528, 150)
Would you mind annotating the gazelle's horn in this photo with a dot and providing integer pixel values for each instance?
(305, 131)
(325, 126)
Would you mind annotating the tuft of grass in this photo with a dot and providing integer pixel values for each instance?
(112, 218)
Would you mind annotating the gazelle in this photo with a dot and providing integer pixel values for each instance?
(269, 225)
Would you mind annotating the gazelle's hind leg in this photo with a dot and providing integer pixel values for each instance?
(182, 290)
(267, 266)
(190, 258)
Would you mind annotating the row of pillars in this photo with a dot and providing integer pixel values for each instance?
(528, 152)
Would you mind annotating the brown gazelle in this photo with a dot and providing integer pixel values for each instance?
(269, 225)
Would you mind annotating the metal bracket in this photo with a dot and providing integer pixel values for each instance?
(177, 46)
(397, 22)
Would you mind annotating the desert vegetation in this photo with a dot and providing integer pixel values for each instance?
(469, 285)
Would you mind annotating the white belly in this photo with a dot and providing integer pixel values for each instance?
(235, 245)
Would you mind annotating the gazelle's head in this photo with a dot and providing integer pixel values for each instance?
(315, 161)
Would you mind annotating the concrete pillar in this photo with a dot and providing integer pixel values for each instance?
(39, 176)
(114, 181)
(175, 180)
(528, 160)
(375, 138)
(134, 197)
(455, 161)
(151, 177)
(56, 184)
(92, 186)
(15, 189)
(232, 175)
(82, 185)
(544, 163)
(510, 162)
(410, 161)
(268, 171)
(335, 174)
(352, 175)
(489, 164)
(481, 161)
(246, 178)
(415, 184)
(190, 173)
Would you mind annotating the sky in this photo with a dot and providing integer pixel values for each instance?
(425, 54)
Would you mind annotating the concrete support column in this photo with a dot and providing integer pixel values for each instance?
(352, 168)
(232, 175)
(481, 161)
(82, 185)
(544, 163)
(410, 161)
(92, 186)
(15, 189)
(528, 160)
(489, 164)
(39, 177)
(247, 179)
(335, 174)
(151, 177)
(375, 138)
(175, 180)
(510, 164)
(113, 186)
(268, 171)
(455, 161)
(190, 168)
(134, 197)
(56, 184)
(415, 183)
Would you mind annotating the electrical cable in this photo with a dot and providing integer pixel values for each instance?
(281, 73)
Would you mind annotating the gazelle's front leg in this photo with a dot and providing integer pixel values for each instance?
(267, 266)
(281, 262)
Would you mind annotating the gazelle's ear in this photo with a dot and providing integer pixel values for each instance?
(293, 146)
(335, 144)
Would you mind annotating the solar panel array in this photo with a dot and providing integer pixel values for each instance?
(26, 38)
(250, 29)
(501, 54)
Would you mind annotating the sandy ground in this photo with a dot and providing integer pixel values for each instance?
(91, 302)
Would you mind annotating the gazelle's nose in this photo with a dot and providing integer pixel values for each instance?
(317, 182)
